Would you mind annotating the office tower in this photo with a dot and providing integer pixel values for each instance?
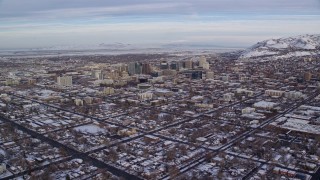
(138, 68)
(146, 68)
(164, 65)
(203, 63)
(121, 67)
(132, 68)
(196, 75)
(97, 74)
(189, 64)
(174, 65)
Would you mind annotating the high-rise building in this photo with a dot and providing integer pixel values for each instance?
(132, 68)
(138, 68)
(174, 65)
(197, 75)
(146, 68)
(124, 74)
(193, 74)
(181, 64)
(64, 81)
(203, 63)
(121, 67)
(188, 64)
(113, 74)
(164, 65)
(206, 66)
(97, 74)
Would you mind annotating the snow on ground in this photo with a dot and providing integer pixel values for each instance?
(91, 129)
(297, 54)
(48, 121)
(302, 127)
(2, 152)
(89, 90)
(256, 53)
(264, 104)
(46, 93)
(279, 45)
(6, 174)
(23, 93)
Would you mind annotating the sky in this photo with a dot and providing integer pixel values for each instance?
(221, 23)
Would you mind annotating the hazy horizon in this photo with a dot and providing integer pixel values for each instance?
(222, 23)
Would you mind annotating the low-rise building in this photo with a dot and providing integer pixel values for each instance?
(274, 93)
(248, 110)
(108, 91)
(145, 96)
(3, 168)
(64, 81)
(294, 95)
(228, 97)
(78, 102)
(11, 82)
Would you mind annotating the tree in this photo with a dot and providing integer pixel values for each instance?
(105, 175)
(171, 154)
(209, 157)
(145, 152)
(183, 149)
(68, 177)
(220, 174)
(173, 172)
(113, 155)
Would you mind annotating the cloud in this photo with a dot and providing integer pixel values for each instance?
(115, 10)
(50, 22)
(81, 8)
(224, 33)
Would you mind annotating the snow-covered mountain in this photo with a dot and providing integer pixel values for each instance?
(303, 45)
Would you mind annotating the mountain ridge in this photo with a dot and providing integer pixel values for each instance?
(302, 45)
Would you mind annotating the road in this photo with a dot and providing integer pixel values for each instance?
(72, 152)
(183, 169)
(244, 135)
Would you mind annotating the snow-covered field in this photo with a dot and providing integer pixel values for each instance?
(90, 128)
